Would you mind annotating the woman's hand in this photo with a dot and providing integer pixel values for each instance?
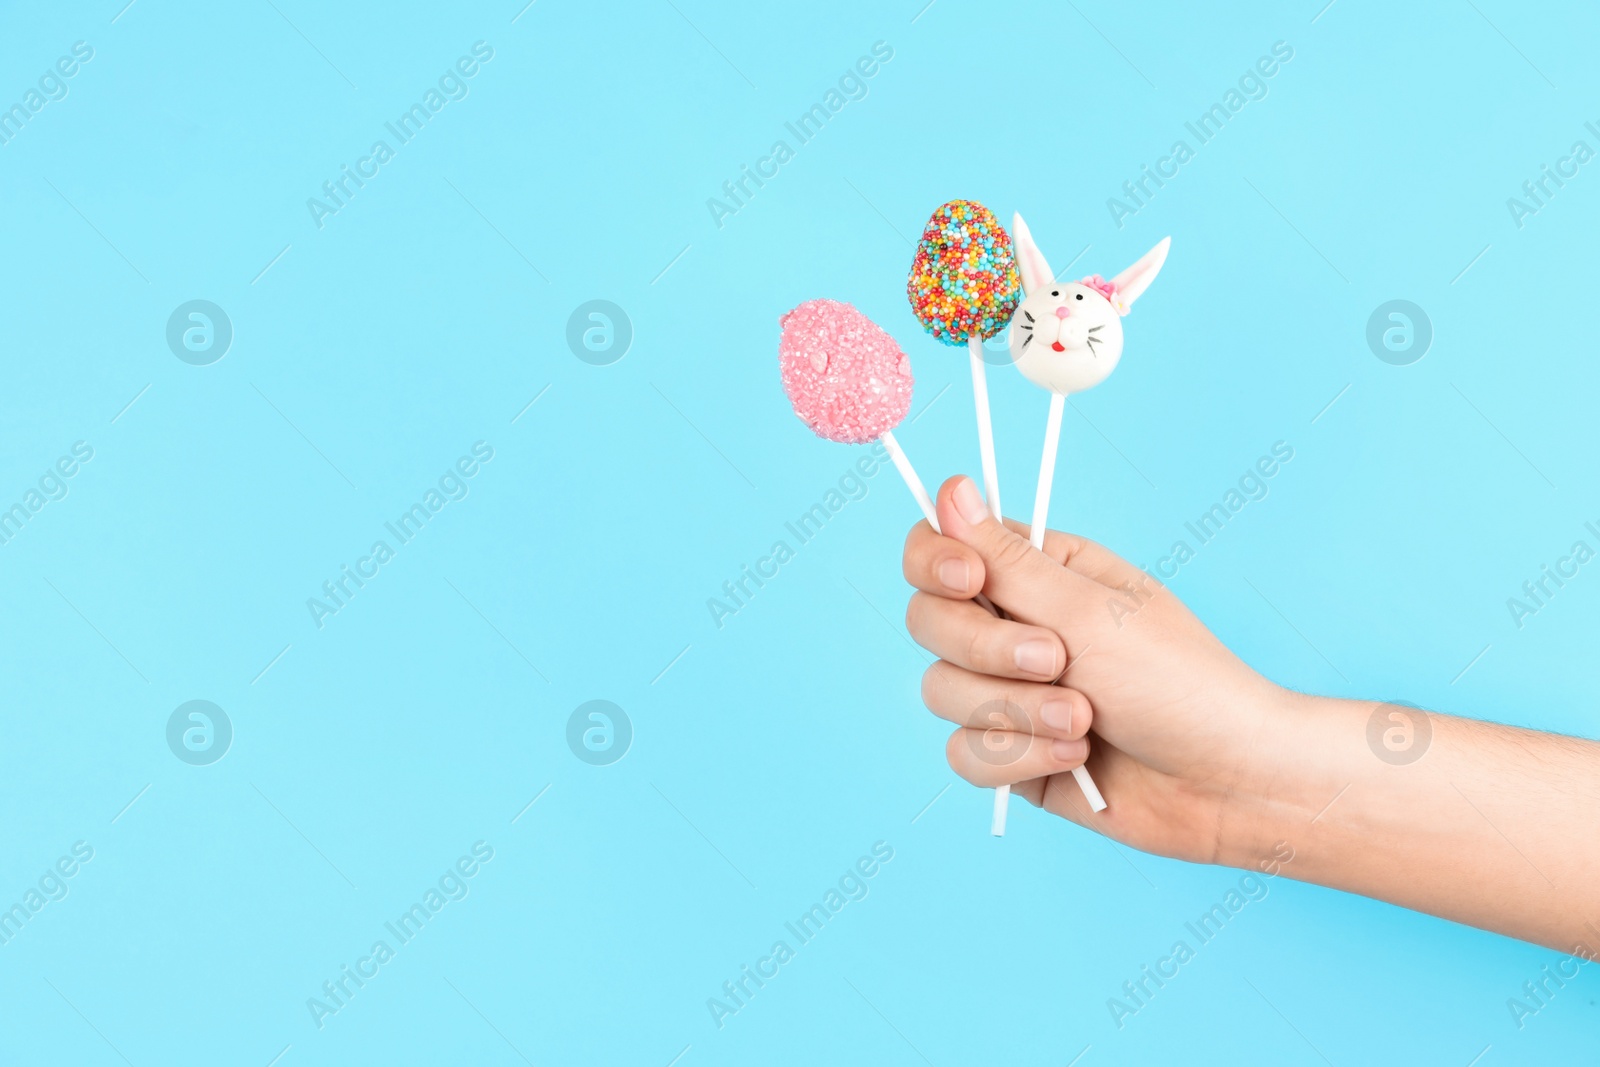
(1179, 722)
(1202, 759)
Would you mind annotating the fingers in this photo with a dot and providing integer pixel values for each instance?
(944, 566)
(979, 701)
(939, 565)
(1012, 731)
(1032, 586)
(964, 634)
(1000, 757)
(1086, 557)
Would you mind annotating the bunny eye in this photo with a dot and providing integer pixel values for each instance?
(1055, 292)
(1080, 296)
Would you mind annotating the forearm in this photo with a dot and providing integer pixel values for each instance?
(1490, 825)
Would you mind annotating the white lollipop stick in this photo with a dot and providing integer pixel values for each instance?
(1047, 470)
(1002, 804)
(903, 465)
(1041, 513)
(980, 401)
(909, 475)
(1067, 337)
(991, 493)
(831, 352)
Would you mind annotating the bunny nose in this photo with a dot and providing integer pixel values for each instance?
(1062, 312)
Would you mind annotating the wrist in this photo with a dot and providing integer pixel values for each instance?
(1301, 757)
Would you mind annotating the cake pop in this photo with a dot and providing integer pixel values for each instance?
(963, 288)
(1067, 337)
(850, 382)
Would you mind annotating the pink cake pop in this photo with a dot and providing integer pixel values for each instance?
(849, 381)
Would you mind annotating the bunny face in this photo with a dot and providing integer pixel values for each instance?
(1067, 336)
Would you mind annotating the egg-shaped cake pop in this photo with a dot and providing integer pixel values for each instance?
(847, 379)
(1067, 336)
(963, 282)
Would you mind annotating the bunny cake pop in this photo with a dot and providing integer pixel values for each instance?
(1067, 337)
(963, 288)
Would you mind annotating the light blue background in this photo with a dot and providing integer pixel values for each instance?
(770, 753)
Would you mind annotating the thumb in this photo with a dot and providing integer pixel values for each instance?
(1031, 586)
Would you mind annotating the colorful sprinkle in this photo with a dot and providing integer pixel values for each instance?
(963, 281)
(847, 379)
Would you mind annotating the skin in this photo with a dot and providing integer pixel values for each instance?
(1202, 759)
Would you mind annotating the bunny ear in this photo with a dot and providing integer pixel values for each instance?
(1137, 278)
(1036, 273)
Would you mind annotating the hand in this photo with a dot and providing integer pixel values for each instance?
(1202, 759)
(1179, 723)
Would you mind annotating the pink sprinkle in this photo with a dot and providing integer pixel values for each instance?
(847, 379)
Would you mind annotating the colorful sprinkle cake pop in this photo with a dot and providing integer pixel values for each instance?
(963, 281)
(847, 379)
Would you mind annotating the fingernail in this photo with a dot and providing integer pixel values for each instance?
(1036, 657)
(1057, 714)
(969, 503)
(1066, 751)
(953, 575)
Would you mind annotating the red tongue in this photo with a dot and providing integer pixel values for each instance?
(1058, 346)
